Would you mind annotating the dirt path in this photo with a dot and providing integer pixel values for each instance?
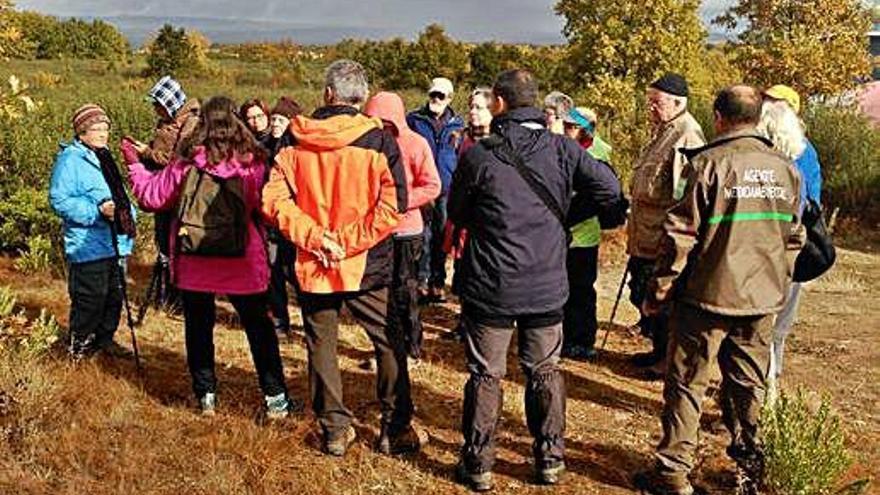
(102, 430)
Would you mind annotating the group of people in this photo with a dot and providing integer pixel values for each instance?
(359, 204)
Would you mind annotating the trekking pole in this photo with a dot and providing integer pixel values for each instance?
(124, 291)
(614, 310)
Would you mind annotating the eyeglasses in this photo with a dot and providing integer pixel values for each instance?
(99, 128)
(436, 95)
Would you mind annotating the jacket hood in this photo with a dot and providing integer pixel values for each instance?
(523, 115)
(725, 138)
(225, 169)
(332, 127)
(524, 128)
(389, 107)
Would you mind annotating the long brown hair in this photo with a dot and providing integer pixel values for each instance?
(222, 133)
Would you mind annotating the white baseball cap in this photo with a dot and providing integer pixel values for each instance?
(441, 85)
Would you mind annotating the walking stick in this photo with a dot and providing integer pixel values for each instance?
(614, 310)
(124, 291)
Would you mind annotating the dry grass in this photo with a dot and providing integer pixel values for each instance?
(98, 428)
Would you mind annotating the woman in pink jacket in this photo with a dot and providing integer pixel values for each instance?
(225, 150)
(423, 187)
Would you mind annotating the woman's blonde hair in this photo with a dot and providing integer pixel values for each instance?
(782, 126)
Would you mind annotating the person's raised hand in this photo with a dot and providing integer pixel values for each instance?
(129, 151)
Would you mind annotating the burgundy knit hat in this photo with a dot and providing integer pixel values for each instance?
(287, 107)
(87, 116)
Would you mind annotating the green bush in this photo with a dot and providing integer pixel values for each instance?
(25, 215)
(804, 446)
(7, 302)
(47, 37)
(849, 151)
(174, 53)
(40, 257)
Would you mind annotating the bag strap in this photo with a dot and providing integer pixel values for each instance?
(511, 157)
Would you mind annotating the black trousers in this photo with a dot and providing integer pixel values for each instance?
(199, 313)
(656, 327)
(540, 343)
(321, 320)
(281, 257)
(95, 304)
(432, 266)
(403, 315)
(580, 324)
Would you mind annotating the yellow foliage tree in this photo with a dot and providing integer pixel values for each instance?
(616, 49)
(819, 47)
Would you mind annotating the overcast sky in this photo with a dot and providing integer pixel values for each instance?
(503, 20)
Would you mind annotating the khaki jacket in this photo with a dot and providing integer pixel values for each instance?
(171, 133)
(730, 243)
(655, 177)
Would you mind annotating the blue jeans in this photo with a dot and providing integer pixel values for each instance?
(432, 265)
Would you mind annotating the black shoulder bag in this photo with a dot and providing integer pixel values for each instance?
(511, 157)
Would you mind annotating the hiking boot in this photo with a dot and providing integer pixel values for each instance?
(579, 353)
(456, 334)
(550, 475)
(208, 404)
(407, 441)
(277, 406)
(645, 359)
(652, 483)
(115, 350)
(478, 482)
(338, 445)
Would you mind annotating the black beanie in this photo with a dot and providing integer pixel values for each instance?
(672, 83)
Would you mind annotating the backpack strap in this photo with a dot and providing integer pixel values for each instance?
(508, 155)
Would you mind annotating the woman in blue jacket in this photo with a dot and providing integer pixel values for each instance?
(780, 123)
(87, 192)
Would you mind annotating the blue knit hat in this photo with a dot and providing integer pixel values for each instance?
(168, 93)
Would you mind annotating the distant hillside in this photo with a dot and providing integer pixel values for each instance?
(139, 28)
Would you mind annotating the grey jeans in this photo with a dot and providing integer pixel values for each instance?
(539, 345)
(784, 321)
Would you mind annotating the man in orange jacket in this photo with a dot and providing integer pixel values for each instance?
(338, 195)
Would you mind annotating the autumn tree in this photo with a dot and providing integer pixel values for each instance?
(815, 46)
(174, 52)
(630, 42)
(616, 49)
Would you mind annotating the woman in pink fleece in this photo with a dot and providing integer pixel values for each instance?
(222, 147)
(423, 187)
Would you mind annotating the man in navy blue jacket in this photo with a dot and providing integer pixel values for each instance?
(513, 269)
(439, 125)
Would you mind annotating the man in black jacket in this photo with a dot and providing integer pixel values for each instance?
(511, 192)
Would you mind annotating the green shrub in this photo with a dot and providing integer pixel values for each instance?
(804, 446)
(174, 53)
(40, 257)
(849, 151)
(44, 334)
(7, 302)
(24, 216)
(47, 37)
